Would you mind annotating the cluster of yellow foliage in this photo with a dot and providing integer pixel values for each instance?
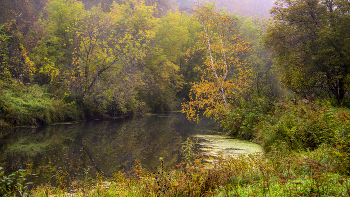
(224, 77)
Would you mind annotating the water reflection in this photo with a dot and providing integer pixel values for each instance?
(101, 146)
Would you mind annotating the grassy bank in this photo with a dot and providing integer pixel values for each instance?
(303, 127)
(32, 106)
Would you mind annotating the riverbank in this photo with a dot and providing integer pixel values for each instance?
(317, 173)
(22, 105)
(32, 106)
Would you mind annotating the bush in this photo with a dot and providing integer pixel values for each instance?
(14, 184)
(242, 120)
(304, 127)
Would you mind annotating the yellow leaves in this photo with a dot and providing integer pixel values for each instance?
(49, 68)
(188, 51)
(211, 93)
(30, 65)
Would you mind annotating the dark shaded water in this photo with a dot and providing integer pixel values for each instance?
(100, 146)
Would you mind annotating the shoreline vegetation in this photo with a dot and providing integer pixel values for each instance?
(281, 83)
(252, 175)
(32, 106)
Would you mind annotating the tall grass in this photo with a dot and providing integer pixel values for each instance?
(321, 172)
(273, 174)
(31, 105)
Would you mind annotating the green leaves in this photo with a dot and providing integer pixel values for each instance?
(54, 51)
(14, 183)
(309, 43)
(95, 56)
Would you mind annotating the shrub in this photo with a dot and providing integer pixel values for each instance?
(242, 120)
(304, 127)
(14, 184)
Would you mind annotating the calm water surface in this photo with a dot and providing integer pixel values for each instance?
(100, 146)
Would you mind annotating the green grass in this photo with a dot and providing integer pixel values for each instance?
(31, 105)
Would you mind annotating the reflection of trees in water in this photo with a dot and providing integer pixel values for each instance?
(145, 139)
(107, 146)
(46, 149)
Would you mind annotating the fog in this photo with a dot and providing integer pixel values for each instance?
(245, 8)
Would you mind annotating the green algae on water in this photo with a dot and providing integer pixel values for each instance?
(213, 145)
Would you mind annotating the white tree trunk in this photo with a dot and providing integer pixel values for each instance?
(213, 67)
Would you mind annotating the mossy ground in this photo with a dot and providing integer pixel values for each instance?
(214, 145)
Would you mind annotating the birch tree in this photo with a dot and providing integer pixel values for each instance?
(223, 45)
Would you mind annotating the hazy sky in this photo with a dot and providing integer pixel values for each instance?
(244, 7)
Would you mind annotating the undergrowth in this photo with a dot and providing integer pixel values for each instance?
(303, 127)
(322, 172)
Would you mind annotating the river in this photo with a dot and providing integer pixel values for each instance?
(100, 146)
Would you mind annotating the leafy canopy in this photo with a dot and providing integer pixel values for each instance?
(311, 44)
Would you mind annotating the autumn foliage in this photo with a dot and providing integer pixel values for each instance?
(225, 77)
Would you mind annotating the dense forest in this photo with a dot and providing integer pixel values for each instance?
(71, 60)
(282, 82)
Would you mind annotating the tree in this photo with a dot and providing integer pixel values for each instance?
(133, 29)
(193, 59)
(162, 6)
(53, 52)
(216, 92)
(310, 42)
(95, 57)
(163, 78)
(266, 81)
(24, 12)
(14, 61)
